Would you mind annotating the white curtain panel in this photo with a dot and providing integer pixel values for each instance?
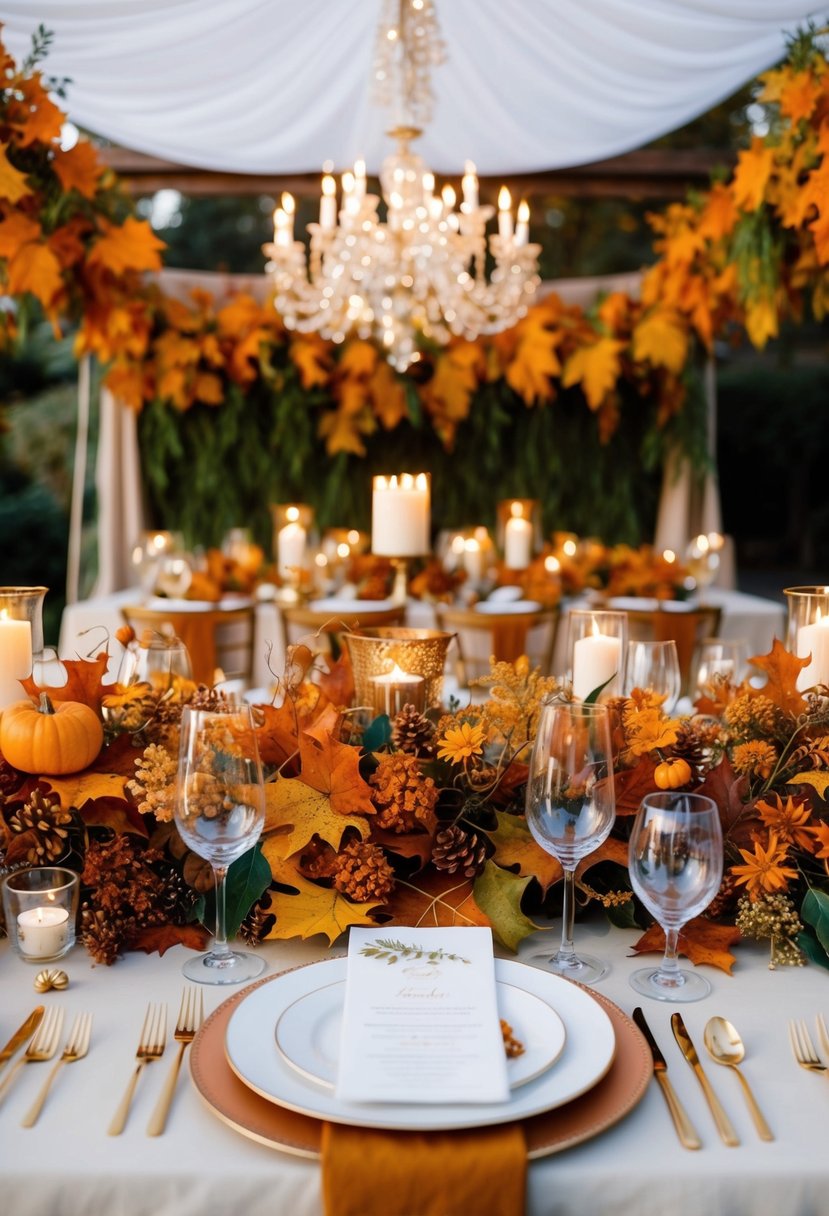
(280, 86)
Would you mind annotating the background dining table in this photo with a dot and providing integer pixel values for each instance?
(68, 1164)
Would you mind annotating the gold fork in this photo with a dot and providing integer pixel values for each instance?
(150, 1047)
(803, 1048)
(77, 1045)
(190, 1017)
(823, 1033)
(42, 1047)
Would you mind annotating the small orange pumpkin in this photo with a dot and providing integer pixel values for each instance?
(672, 773)
(50, 739)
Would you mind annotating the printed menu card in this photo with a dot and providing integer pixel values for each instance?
(420, 1022)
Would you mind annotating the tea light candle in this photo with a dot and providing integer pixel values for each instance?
(814, 640)
(400, 513)
(15, 657)
(397, 688)
(596, 659)
(42, 932)
(473, 560)
(518, 540)
(291, 544)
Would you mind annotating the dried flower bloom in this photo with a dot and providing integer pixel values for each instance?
(154, 783)
(772, 916)
(754, 759)
(788, 821)
(404, 797)
(462, 742)
(765, 870)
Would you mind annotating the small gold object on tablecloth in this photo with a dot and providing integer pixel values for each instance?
(51, 977)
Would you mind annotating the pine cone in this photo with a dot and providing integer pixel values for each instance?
(258, 922)
(105, 935)
(404, 798)
(413, 733)
(177, 897)
(723, 904)
(210, 699)
(362, 872)
(457, 850)
(47, 827)
(692, 749)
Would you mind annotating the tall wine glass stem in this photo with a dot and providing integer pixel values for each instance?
(669, 972)
(220, 951)
(567, 949)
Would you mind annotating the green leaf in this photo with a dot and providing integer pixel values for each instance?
(623, 916)
(593, 697)
(812, 948)
(815, 911)
(377, 734)
(247, 878)
(498, 894)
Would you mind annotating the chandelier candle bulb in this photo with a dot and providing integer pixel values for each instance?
(328, 204)
(504, 214)
(814, 640)
(397, 688)
(42, 933)
(518, 540)
(522, 228)
(400, 515)
(596, 659)
(469, 186)
(15, 657)
(360, 178)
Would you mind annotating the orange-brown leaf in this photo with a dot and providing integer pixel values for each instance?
(332, 767)
(131, 246)
(36, 269)
(337, 681)
(782, 668)
(78, 168)
(700, 940)
(596, 368)
(12, 181)
(436, 899)
(15, 230)
(159, 938)
(33, 113)
(278, 734)
(404, 844)
(84, 682)
(631, 785)
(754, 166)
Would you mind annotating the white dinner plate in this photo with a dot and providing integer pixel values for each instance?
(504, 606)
(342, 604)
(308, 1033)
(253, 1055)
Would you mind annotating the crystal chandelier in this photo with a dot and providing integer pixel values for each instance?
(422, 270)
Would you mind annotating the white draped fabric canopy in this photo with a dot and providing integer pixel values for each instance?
(273, 86)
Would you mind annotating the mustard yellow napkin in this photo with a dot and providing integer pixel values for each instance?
(480, 1172)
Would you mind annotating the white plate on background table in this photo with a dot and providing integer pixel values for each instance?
(227, 603)
(635, 603)
(505, 606)
(343, 604)
(253, 1056)
(308, 1033)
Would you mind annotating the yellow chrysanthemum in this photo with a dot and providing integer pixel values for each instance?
(461, 743)
(765, 870)
(754, 759)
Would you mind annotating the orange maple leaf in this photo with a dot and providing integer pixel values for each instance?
(15, 230)
(596, 368)
(34, 115)
(337, 681)
(719, 214)
(35, 269)
(388, 396)
(161, 937)
(312, 357)
(700, 940)
(754, 166)
(332, 768)
(12, 181)
(436, 899)
(84, 682)
(782, 668)
(208, 388)
(799, 96)
(661, 338)
(131, 246)
(79, 168)
(762, 322)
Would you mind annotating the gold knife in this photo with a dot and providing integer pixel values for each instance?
(727, 1133)
(20, 1036)
(685, 1129)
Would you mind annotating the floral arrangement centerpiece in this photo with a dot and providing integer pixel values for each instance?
(420, 819)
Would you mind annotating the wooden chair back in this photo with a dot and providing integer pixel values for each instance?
(687, 629)
(217, 639)
(322, 630)
(504, 636)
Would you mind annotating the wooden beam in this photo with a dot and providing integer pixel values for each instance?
(646, 173)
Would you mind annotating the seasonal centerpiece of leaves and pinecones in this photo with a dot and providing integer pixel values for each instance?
(417, 820)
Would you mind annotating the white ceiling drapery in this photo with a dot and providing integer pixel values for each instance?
(280, 86)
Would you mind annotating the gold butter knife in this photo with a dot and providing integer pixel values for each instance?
(20, 1036)
(727, 1133)
(685, 1129)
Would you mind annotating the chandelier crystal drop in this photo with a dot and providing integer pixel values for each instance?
(423, 270)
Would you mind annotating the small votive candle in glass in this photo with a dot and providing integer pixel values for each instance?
(397, 688)
(41, 907)
(808, 633)
(598, 640)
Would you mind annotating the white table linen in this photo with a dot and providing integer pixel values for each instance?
(67, 1164)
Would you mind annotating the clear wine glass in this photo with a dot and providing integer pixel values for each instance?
(571, 808)
(220, 810)
(151, 667)
(675, 862)
(716, 659)
(654, 666)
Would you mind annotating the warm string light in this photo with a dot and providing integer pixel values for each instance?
(422, 272)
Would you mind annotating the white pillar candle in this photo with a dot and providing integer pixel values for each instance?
(518, 540)
(522, 228)
(504, 214)
(15, 658)
(328, 204)
(400, 515)
(291, 541)
(395, 689)
(469, 187)
(473, 560)
(596, 659)
(42, 932)
(814, 640)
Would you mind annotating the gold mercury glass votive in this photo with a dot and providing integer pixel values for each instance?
(419, 652)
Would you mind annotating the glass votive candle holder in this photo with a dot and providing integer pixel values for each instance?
(41, 909)
(597, 649)
(807, 632)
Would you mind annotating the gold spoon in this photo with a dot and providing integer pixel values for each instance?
(725, 1046)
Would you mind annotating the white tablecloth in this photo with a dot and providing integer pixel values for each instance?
(68, 1166)
(748, 617)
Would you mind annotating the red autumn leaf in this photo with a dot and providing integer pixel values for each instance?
(728, 791)
(701, 941)
(332, 767)
(161, 937)
(84, 682)
(631, 785)
(782, 668)
(118, 757)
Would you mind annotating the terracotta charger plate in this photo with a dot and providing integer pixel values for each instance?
(614, 1096)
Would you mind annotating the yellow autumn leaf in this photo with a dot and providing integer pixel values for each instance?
(535, 361)
(662, 340)
(761, 320)
(35, 269)
(79, 788)
(596, 368)
(207, 387)
(342, 432)
(312, 357)
(313, 909)
(818, 781)
(294, 812)
(388, 396)
(129, 246)
(754, 166)
(12, 182)
(359, 358)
